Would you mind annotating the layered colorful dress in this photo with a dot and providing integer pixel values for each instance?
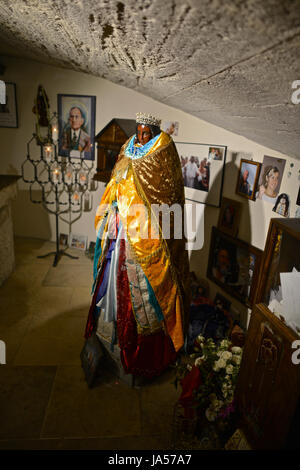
(141, 275)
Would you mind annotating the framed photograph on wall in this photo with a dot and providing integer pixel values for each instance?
(76, 117)
(8, 111)
(221, 302)
(203, 171)
(229, 216)
(270, 179)
(234, 265)
(247, 178)
(282, 205)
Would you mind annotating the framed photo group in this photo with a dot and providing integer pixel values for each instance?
(262, 181)
(73, 241)
(234, 264)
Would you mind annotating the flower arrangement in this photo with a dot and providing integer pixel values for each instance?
(209, 381)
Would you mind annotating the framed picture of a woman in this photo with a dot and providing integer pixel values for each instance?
(282, 205)
(270, 179)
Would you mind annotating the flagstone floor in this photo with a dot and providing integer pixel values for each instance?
(45, 402)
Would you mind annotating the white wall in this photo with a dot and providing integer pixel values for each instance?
(114, 101)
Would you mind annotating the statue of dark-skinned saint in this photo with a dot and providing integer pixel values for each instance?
(141, 278)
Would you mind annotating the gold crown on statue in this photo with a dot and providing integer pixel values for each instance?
(148, 119)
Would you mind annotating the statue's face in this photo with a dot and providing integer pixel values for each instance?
(143, 134)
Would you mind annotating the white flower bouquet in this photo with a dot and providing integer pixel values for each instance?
(215, 368)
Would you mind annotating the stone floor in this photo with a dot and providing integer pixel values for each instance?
(45, 402)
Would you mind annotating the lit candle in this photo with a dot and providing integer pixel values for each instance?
(54, 133)
(82, 177)
(75, 197)
(69, 174)
(48, 152)
(54, 129)
(56, 173)
(55, 176)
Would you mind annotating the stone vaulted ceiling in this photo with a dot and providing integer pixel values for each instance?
(231, 63)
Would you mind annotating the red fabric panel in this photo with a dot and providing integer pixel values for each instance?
(146, 355)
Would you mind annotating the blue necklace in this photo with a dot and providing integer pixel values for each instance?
(133, 151)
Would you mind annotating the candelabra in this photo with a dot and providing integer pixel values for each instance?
(65, 183)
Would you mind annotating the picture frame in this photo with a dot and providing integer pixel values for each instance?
(90, 252)
(76, 122)
(78, 241)
(298, 197)
(202, 171)
(91, 358)
(248, 175)
(8, 111)
(229, 216)
(272, 170)
(234, 266)
(282, 205)
(63, 240)
(221, 302)
(199, 288)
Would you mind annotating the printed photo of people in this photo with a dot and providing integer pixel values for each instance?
(76, 115)
(270, 179)
(282, 205)
(170, 128)
(195, 172)
(247, 178)
(215, 153)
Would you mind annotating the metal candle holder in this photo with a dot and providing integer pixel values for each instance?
(64, 182)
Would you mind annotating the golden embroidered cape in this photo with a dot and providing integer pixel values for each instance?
(135, 185)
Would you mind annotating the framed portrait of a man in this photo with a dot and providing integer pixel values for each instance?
(248, 178)
(76, 116)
